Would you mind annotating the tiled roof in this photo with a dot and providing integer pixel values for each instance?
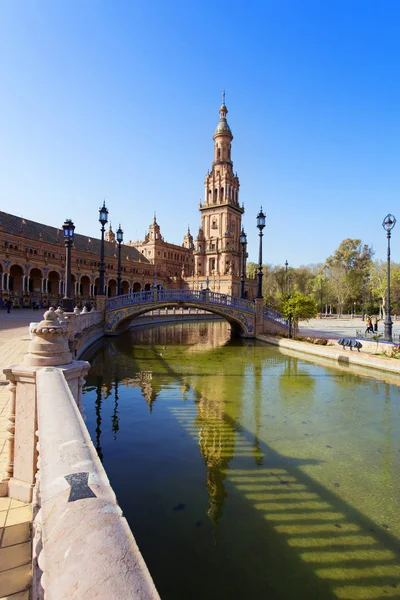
(39, 232)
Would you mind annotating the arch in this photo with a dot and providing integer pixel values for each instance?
(125, 287)
(115, 319)
(16, 275)
(147, 286)
(111, 288)
(85, 287)
(137, 287)
(54, 284)
(35, 281)
(96, 286)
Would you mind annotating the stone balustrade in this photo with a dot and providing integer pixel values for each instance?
(83, 328)
(83, 547)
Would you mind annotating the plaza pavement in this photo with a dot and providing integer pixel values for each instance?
(332, 328)
(15, 516)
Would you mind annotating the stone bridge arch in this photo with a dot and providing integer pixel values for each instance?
(120, 311)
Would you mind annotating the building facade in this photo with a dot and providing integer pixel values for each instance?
(32, 255)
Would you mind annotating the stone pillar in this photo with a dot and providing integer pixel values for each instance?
(48, 348)
(23, 282)
(42, 288)
(259, 317)
(101, 304)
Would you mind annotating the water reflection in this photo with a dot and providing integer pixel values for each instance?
(297, 477)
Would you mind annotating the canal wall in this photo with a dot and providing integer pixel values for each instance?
(336, 353)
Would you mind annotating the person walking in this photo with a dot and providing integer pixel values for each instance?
(375, 323)
(9, 305)
(369, 325)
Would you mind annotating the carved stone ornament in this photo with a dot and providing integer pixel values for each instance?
(50, 344)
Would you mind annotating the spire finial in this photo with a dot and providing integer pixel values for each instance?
(155, 219)
(223, 97)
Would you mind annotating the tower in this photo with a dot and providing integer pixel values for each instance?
(217, 246)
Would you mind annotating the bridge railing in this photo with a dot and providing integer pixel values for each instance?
(274, 315)
(156, 296)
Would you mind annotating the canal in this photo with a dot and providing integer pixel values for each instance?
(247, 473)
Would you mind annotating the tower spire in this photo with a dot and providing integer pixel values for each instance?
(223, 97)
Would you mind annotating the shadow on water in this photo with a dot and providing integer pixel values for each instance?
(303, 540)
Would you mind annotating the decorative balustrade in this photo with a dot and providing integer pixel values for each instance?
(157, 296)
(274, 315)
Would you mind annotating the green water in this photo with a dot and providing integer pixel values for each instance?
(247, 473)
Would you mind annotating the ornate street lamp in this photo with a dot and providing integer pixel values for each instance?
(120, 239)
(103, 218)
(260, 225)
(388, 223)
(243, 241)
(68, 229)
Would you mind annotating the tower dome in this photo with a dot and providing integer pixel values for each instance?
(223, 127)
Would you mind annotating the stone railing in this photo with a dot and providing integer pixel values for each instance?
(274, 315)
(83, 547)
(83, 328)
(79, 321)
(157, 296)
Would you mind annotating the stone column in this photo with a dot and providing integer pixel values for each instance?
(49, 348)
(259, 317)
(23, 282)
(42, 287)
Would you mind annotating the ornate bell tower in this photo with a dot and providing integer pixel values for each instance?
(217, 246)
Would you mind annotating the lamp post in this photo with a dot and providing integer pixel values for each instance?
(286, 277)
(68, 229)
(260, 225)
(120, 238)
(388, 223)
(103, 218)
(243, 241)
(363, 300)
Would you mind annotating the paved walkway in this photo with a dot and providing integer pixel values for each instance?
(334, 329)
(15, 516)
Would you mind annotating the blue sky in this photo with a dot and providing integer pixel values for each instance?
(119, 100)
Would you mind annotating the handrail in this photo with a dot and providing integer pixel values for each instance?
(83, 543)
(274, 315)
(156, 296)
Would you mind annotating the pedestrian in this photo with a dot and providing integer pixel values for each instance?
(369, 325)
(375, 323)
(9, 305)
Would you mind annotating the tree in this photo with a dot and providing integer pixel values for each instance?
(349, 267)
(298, 307)
(251, 270)
(379, 283)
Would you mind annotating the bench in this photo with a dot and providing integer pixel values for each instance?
(344, 342)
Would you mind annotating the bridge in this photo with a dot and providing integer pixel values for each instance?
(248, 317)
